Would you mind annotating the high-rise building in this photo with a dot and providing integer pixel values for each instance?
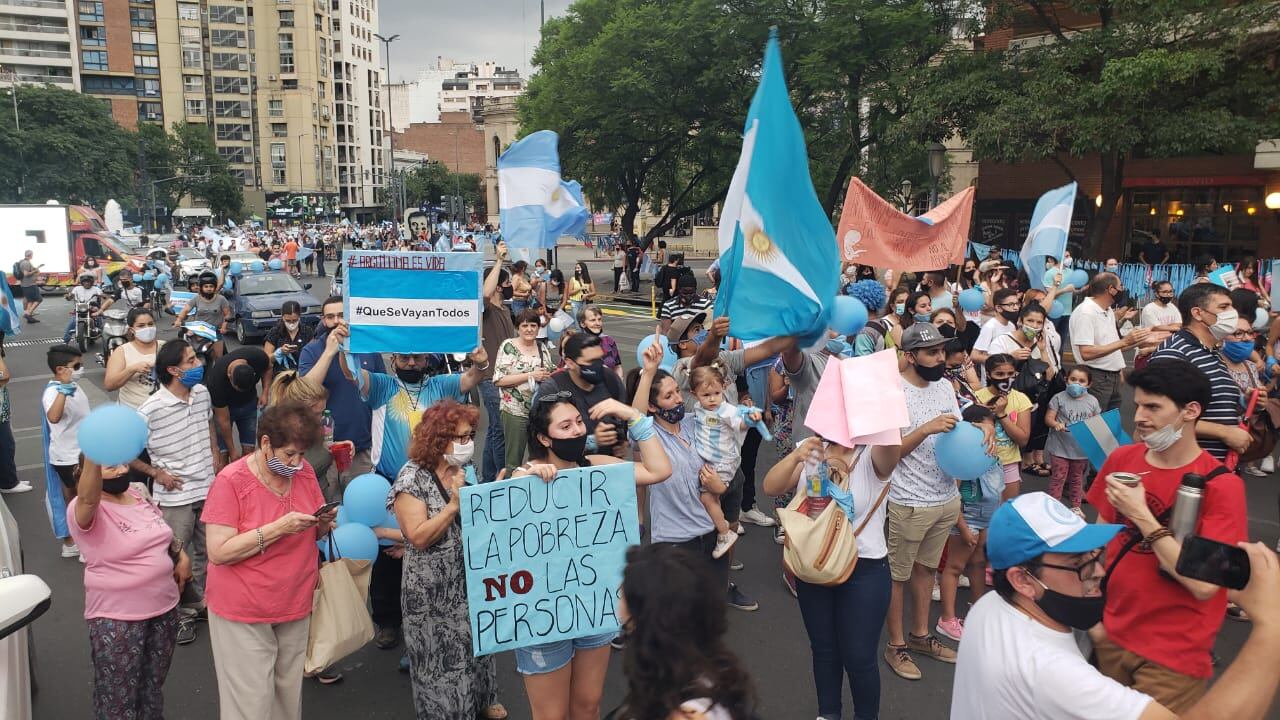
(258, 73)
(37, 43)
(360, 122)
(419, 101)
(451, 87)
(118, 57)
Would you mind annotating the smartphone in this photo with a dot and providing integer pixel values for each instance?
(1214, 562)
(327, 507)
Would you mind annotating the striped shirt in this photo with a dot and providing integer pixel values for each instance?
(1224, 403)
(673, 309)
(178, 442)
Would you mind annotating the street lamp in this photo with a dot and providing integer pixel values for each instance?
(906, 196)
(391, 128)
(1272, 202)
(937, 163)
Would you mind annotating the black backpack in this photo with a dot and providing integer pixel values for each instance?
(17, 270)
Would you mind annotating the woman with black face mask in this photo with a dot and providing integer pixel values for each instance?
(574, 670)
(133, 577)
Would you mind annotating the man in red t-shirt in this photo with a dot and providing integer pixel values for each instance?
(291, 256)
(1160, 626)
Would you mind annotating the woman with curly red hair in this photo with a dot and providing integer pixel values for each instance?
(448, 682)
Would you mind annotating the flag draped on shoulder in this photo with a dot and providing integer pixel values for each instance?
(535, 205)
(778, 260)
(1047, 237)
(1099, 435)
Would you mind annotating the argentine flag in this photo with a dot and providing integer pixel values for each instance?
(1050, 224)
(1099, 435)
(778, 257)
(10, 318)
(535, 206)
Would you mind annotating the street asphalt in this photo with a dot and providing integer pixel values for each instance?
(771, 641)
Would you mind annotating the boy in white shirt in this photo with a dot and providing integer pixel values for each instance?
(64, 405)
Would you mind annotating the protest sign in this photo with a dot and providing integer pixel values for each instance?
(1275, 285)
(544, 559)
(1225, 276)
(412, 302)
(860, 401)
(874, 232)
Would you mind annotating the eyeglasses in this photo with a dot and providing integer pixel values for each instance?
(1083, 571)
(562, 396)
(1243, 335)
(464, 437)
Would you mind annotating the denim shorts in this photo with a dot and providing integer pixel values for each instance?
(550, 657)
(977, 515)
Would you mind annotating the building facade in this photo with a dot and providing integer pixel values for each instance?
(419, 101)
(37, 41)
(467, 91)
(457, 141)
(501, 128)
(358, 109)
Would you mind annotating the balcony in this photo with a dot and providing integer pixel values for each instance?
(41, 79)
(27, 27)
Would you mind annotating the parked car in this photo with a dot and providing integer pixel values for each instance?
(23, 598)
(256, 299)
(190, 262)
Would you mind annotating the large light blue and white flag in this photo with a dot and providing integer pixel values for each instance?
(10, 318)
(535, 206)
(779, 265)
(1047, 237)
(1099, 435)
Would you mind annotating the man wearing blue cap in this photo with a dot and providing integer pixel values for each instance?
(1020, 658)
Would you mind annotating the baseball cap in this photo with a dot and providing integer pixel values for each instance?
(921, 335)
(680, 327)
(1031, 525)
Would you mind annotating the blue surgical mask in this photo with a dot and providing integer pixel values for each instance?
(1237, 350)
(1076, 390)
(922, 317)
(192, 377)
(900, 309)
(700, 337)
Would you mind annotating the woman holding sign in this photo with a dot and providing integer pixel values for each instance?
(565, 679)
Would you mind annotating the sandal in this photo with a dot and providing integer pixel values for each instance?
(494, 712)
(1041, 470)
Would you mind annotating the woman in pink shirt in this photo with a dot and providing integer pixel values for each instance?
(133, 575)
(261, 529)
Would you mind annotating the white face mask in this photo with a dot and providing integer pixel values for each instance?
(291, 326)
(1164, 438)
(77, 373)
(1225, 324)
(146, 334)
(462, 453)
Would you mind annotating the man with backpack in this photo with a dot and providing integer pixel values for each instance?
(28, 274)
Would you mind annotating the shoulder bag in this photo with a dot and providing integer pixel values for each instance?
(823, 550)
(340, 622)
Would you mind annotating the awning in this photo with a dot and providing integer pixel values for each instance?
(192, 212)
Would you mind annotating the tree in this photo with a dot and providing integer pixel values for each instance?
(225, 194)
(1154, 79)
(186, 159)
(426, 183)
(68, 149)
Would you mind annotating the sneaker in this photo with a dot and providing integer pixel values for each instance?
(950, 627)
(404, 663)
(32, 319)
(1255, 471)
(386, 638)
(21, 487)
(741, 529)
(738, 599)
(755, 517)
(186, 630)
(723, 543)
(963, 582)
(790, 581)
(618, 642)
(899, 661)
(1268, 464)
(931, 646)
(736, 565)
(70, 551)
(780, 535)
(327, 676)
(936, 594)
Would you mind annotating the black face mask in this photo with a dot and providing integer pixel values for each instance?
(592, 372)
(931, 374)
(671, 415)
(1164, 300)
(1010, 315)
(571, 449)
(1003, 386)
(1121, 299)
(508, 292)
(115, 485)
(947, 331)
(410, 376)
(1080, 613)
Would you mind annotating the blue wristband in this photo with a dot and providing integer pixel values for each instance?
(642, 429)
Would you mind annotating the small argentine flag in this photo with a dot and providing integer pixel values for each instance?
(1099, 435)
(535, 206)
(779, 263)
(1050, 224)
(10, 318)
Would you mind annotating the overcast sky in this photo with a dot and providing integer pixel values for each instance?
(505, 31)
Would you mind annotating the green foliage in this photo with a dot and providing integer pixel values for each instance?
(68, 149)
(188, 155)
(426, 183)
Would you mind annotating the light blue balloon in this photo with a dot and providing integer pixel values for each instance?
(366, 499)
(137, 277)
(1058, 309)
(356, 542)
(235, 268)
(256, 266)
(341, 518)
(848, 315)
(226, 284)
(961, 454)
(112, 435)
(668, 355)
(275, 264)
(972, 300)
(1052, 273)
(1079, 278)
(162, 280)
(391, 523)
(148, 275)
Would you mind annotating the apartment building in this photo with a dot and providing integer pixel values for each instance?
(37, 43)
(358, 108)
(467, 91)
(418, 101)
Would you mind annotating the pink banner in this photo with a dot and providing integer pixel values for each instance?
(874, 232)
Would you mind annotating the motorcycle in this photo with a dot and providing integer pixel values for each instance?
(88, 327)
(115, 328)
(202, 337)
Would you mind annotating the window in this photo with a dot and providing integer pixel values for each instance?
(192, 59)
(226, 14)
(195, 107)
(286, 42)
(150, 111)
(231, 153)
(236, 131)
(240, 174)
(286, 18)
(275, 108)
(188, 11)
(279, 130)
(278, 157)
(146, 65)
(287, 66)
(90, 11)
(144, 40)
(289, 84)
(230, 61)
(230, 108)
(278, 176)
(93, 36)
(189, 38)
(227, 38)
(193, 83)
(141, 17)
(319, 22)
(93, 59)
(230, 85)
(149, 88)
(107, 85)
(1224, 222)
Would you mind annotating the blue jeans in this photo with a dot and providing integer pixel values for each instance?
(844, 624)
(519, 306)
(495, 446)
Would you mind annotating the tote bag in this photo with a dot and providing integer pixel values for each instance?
(340, 621)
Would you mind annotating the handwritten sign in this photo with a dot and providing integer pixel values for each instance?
(544, 560)
(874, 232)
(412, 302)
(1225, 276)
(860, 401)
